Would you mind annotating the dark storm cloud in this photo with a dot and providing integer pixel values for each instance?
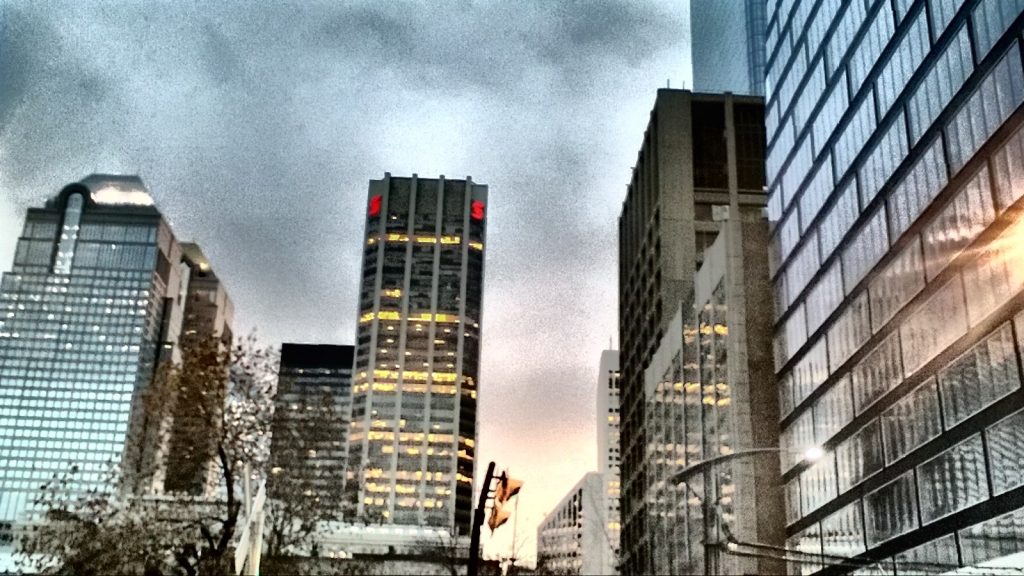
(257, 125)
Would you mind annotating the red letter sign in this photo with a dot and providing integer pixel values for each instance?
(477, 210)
(375, 205)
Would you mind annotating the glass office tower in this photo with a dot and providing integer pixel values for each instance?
(311, 411)
(896, 167)
(84, 311)
(414, 392)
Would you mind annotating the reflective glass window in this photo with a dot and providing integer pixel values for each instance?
(810, 372)
(789, 235)
(839, 219)
(794, 334)
(991, 18)
(954, 228)
(1000, 93)
(984, 374)
(818, 484)
(935, 324)
(825, 296)
(818, 190)
(842, 533)
(793, 500)
(859, 456)
(796, 439)
(865, 249)
(820, 22)
(903, 62)
(1000, 536)
(896, 284)
(912, 421)
(796, 171)
(809, 542)
(922, 183)
(802, 267)
(780, 151)
(849, 24)
(1006, 452)
(787, 88)
(1008, 167)
(874, 40)
(953, 480)
(996, 274)
(830, 114)
(934, 557)
(942, 81)
(854, 135)
(891, 510)
(832, 411)
(942, 12)
(849, 332)
(809, 95)
(877, 373)
(883, 160)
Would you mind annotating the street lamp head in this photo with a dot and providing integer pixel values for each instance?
(813, 454)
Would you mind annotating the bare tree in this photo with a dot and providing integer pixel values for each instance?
(303, 487)
(444, 551)
(130, 526)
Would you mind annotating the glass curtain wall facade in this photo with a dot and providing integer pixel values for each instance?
(311, 411)
(727, 45)
(895, 170)
(414, 395)
(685, 175)
(85, 310)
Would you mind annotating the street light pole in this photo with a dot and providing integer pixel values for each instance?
(712, 549)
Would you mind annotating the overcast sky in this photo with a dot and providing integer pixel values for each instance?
(256, 127)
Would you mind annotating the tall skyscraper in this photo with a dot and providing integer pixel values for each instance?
(414, 394)
(608, 454)
(700, 154)
(91, 300)
(727, 45)
(311, 412)
(895, 171)
(191, 463)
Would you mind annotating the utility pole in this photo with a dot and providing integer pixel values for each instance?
(478, 522)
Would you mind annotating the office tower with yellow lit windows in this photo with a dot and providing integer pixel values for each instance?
(414, 394)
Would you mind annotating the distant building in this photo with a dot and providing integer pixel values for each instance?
(92, 300)
(191, 463)
(896, 147)
(608, 453)
(727, 45)
(311, 412)
(710, 392)
(572, 538)
(412, 439)
(701, 154)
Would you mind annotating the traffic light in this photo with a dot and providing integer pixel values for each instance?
(506, 488)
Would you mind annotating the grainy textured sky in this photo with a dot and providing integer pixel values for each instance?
(256, 127)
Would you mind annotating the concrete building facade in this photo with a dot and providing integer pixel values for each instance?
(572, 538)
(701, 153)
(414, 395)
(710, 392)
(608, 461)
(894, 166)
